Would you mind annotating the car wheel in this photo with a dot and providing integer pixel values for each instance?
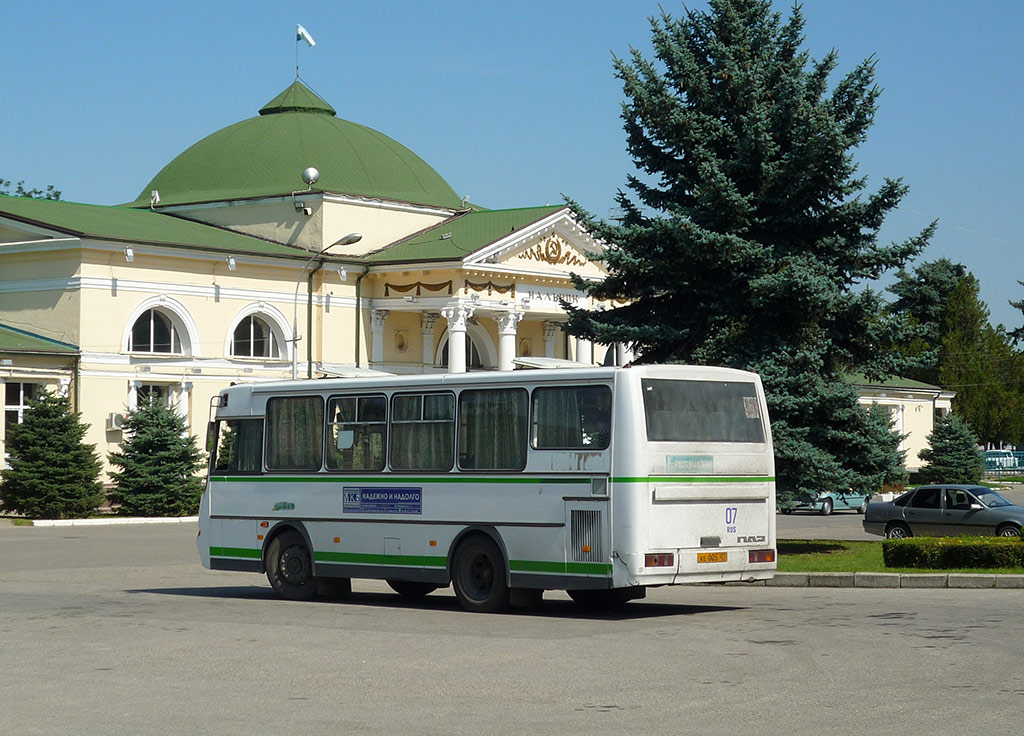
(897, 530)
(478, 576)
(290, 567)
(411, 588)
(826, 507)
(1008, 530)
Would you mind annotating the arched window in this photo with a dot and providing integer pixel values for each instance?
(473, 360)
(154, 332)
(254, 338)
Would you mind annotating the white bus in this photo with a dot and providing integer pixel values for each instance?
(597, 481)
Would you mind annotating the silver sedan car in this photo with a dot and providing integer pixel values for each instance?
(945, 511)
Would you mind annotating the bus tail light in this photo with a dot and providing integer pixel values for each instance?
(762, 555)
(660, 560)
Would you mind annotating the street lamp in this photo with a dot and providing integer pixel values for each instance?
(347, 240)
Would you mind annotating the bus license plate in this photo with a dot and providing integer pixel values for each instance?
(712, 557)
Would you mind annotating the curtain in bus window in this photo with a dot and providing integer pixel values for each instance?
(423, 432)
(240, 446)
(493, 429)
(295, 433)
(572, 418)
(702, 411)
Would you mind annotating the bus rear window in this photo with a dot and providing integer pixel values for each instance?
(702, 411)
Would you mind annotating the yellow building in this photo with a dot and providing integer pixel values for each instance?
(240, 262)
(913, 407)
(293, 243)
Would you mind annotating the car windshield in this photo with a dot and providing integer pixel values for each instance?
(992, 499)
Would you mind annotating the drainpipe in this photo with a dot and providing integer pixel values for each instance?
(309, 320)
(359, 308)
(76, 372)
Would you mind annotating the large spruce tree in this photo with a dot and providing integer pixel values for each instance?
(53, 474)
(748, 233)
(157, 464)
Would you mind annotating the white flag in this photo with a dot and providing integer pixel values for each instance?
(301, 34)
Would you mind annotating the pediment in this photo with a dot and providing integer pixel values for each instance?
(556, 245)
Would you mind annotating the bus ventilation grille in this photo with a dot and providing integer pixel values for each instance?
(586, 536)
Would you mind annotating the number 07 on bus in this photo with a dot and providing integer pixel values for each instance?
(602, 482)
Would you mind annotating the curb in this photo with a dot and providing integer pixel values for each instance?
(116, 520)
(973, 581)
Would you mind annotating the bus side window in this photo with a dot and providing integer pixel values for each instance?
(239, 446)
(295, 430)
(572, 418)
(493, 429)
(423, 431)
(356, 427)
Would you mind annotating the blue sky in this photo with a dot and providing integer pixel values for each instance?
(513, 103)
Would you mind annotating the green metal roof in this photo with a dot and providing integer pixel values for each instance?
(859, 379)
(265, 156)
(130, 225)
(13, 340)
(462, 234)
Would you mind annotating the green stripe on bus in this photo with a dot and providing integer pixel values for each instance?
(253, 554)
(366, 559)
(355, 558)
(695, 479)
(393, 479)
(570, 568)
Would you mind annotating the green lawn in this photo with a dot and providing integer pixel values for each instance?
(841, 556)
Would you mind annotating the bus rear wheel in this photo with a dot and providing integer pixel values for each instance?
(478, 576)
(290, 567)
(411, 588)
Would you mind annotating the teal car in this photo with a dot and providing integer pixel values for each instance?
(825, 502)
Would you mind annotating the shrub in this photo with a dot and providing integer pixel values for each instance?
(950, 553)
(53, 474)
(158, 463)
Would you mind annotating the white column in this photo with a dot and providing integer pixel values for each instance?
(184, 389)
(550, 330)
(377, 330)
(133, 394)
(427, 322)
(457, 316)
(584, 351)
(507, 324)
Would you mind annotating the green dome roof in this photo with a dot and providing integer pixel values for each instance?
(265, 156)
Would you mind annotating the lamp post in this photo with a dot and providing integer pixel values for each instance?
(347, 240)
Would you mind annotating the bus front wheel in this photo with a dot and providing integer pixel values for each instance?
(478, 576)
(290, 567)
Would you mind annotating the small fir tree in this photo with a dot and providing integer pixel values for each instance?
(158, 462)
(952, 455)
(52, 473)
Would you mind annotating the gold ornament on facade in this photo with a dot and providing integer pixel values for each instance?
(555, 251)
